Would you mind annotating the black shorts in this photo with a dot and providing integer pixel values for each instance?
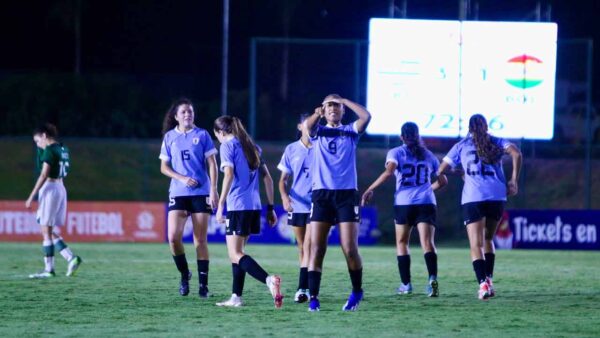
(298, 219)
(192, 204)
(335, 206)
(412, 215)
(475, 211)
(243, 222)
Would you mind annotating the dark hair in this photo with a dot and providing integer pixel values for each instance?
(47, 128)
(233, 125)
(169, 121)
(303, 117)
(488, 151)
(412, 139)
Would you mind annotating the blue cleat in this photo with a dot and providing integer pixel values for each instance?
(432, 288)
(404, 289)
(184, 285)
(314, 305)
(353, 301)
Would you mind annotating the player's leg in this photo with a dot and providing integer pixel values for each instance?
(489, 250)
(318, 234)
(403, 232)
(235, 250)
(475, 231)
(200, 228)
(175, 223)
(301, 295)
(349, 242)
(426, 235)
(48, 249)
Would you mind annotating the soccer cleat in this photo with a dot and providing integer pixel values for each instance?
(432, 289)
(404, 289)
(274, 284)
(488, 280)
(484, 291)
(314, 305)
(74, 264)
(184, 284)
(42, 275)
(353, 301)
(203, 291)
(301, 296)
(234, 301)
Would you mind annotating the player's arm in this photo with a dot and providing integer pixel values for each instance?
(213, 174)
(268, 181)
(364, 117)
(517, 160)
(390, 167)
(311, 122)
(440, 182)
(38, 184)
(227, 181)
(285, 197)
(165, 169)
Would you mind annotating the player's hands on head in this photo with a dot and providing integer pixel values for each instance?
(320, 110)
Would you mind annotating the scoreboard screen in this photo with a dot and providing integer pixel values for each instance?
(439, 73)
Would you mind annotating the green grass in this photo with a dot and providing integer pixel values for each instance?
(131, 290)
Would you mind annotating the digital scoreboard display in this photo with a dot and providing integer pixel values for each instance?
(439, 73)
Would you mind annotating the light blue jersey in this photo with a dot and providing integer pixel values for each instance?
(483, 182)
(296, 162)
(187, 154)
(334, 157)
(413, 177)
(244, 194)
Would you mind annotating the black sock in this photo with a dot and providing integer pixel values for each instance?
(239, 276)
(314, 283)
(356, 279)
(431, 262)
(490, 259)
(182, 265)
(203, 272)
(479, 267)
(303, 279)
(404, 268)
(250, 266)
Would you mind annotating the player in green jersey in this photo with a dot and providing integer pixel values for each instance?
(53, 163)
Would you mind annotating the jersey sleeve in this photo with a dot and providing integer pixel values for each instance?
(453, 156)
(165, 150)
(503, 143)
(284, 164)
(209, 146)
(392, 156)
(226, 152)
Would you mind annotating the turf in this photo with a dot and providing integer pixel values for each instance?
(132, 290)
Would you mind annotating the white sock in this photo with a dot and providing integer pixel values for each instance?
(67, 253)
(49, 261)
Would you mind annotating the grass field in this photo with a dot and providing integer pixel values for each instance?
(132, 290)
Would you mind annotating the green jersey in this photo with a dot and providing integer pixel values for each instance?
(57, 157)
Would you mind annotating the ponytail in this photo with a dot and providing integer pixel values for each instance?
(412, 139)
(233, 125)
(488, 151)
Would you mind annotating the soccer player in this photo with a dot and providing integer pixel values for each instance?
(296, 162)
(187, 156)
(335, 198)
(53, 163)
(241, 165)
(484, 193)
(414, 202)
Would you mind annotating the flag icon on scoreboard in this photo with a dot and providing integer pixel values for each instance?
(524, 71)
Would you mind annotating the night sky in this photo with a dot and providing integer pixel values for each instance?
(184, 36)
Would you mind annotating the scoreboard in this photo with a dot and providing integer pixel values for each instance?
(439, 73)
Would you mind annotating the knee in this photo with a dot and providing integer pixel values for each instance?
(201, 242)
(352, 253)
